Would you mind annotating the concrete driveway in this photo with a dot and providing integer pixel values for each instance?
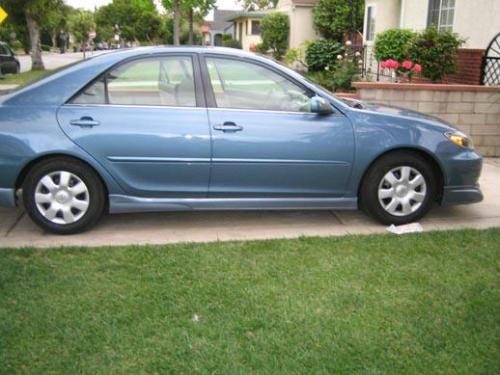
(17, 230)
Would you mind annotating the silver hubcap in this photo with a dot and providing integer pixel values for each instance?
(62, 197)
(402, 191)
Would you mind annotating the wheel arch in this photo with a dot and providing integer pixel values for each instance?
(433, 162)
(24, 172)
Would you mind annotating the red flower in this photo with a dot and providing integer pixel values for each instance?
(392, 64)
(407, 64)
(417, 68)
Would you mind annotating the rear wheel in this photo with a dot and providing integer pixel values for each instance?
(63, 196)
(399, 188)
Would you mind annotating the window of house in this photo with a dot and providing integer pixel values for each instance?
(255, 27)
(243, 85)
(441, 14)
(164, 81)
(370, 23)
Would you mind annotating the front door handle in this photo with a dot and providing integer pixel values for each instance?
(228, 127)
(85, 122)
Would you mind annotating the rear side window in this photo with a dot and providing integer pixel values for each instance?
(163, 81)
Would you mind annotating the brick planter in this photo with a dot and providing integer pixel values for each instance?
(473, 109)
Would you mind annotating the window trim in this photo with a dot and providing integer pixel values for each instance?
(367, 22)
(198, 87)
(440, 9)
(209, 91)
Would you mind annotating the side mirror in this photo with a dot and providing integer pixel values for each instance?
(320, 106)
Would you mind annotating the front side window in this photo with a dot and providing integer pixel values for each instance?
(163, 81)
(370, 23)
(441, 14)
(243, 85)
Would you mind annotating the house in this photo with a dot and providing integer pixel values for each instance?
(246, 26)
(212, 31)
(478, 22)
(247, 23)
(301, 20)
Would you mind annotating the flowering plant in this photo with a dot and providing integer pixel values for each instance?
(407, 67)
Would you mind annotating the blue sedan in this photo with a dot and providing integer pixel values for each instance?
(171, 129)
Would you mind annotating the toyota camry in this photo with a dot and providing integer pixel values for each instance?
(187, 128)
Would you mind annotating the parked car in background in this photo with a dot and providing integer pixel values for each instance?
(186, 128)
(9, 64)
(102, 46)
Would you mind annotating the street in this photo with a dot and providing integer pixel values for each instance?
(55, 60)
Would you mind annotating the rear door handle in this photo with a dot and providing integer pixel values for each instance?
(228, 127)
(85, 122)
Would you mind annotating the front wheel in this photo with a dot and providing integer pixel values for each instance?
(63, 196)
(399, 188)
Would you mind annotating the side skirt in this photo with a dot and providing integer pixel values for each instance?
(124, 204)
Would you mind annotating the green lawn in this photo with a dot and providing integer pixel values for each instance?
(425, 303)
(23, 78)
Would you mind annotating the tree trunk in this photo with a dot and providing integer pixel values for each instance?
(54, 39)
(177, 19)
(36, 48)
(191, 34)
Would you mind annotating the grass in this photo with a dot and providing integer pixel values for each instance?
(426, 303)
(23, 78)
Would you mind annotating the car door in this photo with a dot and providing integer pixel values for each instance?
(265, 140)
(146, 122)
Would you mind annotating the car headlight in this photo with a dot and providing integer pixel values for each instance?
(460, 139)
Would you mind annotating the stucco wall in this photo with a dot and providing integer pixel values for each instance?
(386, 15)
(301, 26)
(473, 109)
(477, 21)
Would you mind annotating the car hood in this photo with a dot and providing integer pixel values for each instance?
(404, 113)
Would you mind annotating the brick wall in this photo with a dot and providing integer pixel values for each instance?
(473, 109)
(469, 64)
(469, 68)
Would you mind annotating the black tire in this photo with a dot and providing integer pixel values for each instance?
(96, 194)
(369, 199)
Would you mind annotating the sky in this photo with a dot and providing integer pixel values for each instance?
(90, 4)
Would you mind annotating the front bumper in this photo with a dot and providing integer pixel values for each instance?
(7, 198)
(461, 195)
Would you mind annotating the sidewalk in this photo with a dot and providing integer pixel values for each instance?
(17, 230)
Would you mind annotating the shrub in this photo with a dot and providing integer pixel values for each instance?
(333, 18)
(341, 75)
(393, 44)
(16, 45)
(436, 51)
(322, 53)
(323, 78)
(344, 74)
(45, 48)
(275, 29)
(261, 48)
(228, 41)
